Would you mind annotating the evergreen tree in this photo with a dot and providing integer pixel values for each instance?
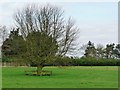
(90, 50)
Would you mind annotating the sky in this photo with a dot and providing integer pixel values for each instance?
(97, 21)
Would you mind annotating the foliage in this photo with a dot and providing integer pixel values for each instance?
(110, 51)
(90, 61)
(90, 50)
(13, 47)
(117, 51)
(41, 48)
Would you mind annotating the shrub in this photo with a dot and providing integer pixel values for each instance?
(95, 62)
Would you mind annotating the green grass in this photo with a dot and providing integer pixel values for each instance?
(63, 77)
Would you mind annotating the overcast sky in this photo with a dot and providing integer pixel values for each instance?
(98, 21)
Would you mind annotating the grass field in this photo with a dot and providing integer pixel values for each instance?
(63, 77)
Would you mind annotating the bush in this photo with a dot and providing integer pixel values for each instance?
(95, 62)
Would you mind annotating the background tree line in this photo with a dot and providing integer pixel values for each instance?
(111, 51)
(13, 49)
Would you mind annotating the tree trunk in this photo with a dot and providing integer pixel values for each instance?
(39, 69)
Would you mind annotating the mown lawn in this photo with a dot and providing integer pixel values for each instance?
(63, 77)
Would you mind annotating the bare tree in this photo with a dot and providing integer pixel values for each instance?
(3, 33)
(100, 51)
(48, 20)
(83, 48)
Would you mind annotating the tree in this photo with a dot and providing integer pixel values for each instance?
(109, 51)
(3, 33)
(90, 50)
(117, 51)
(83, 48)
(100, 51)
(46, 32)
(3, 36)
(40, 49)
(13, 46)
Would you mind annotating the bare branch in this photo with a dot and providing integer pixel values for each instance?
(50, 20)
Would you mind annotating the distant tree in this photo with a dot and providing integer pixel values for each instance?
(90, 50)
(3, 33)
(100, 51)
(83, 48)
(117, 51)
(109, 51)
(13, 46)
(46, 33)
